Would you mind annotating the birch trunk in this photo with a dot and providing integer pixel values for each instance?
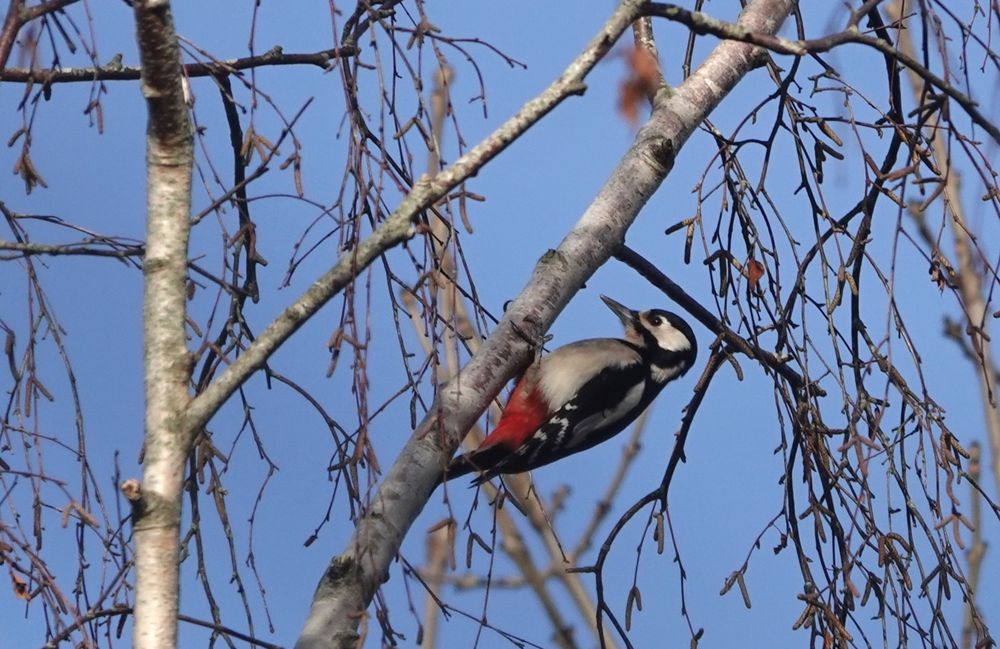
(157, 501)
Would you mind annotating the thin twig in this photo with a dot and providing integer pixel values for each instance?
(704, 24)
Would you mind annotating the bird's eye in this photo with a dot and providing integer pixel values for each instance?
(656, 321)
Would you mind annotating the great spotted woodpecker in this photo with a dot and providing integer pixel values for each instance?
(583, 394)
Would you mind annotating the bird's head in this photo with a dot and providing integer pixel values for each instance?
(664, 335)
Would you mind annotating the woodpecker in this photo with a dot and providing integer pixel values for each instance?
(583, 394)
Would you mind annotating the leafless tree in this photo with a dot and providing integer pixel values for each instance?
(820, 207)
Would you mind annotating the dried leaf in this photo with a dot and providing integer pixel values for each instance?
(754, 270)
(629, 99)
(25, 168)
(642, 82)
(20, 587)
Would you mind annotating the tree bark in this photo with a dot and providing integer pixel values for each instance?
(169, 158)
(351, 579)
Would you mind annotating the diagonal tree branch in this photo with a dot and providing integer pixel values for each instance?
(351, 579)
(399, 226)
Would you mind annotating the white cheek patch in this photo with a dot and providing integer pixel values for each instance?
(669, 338)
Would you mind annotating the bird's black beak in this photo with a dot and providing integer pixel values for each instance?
(628, 317)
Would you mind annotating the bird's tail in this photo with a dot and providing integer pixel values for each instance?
(479, 460)
(458, 467)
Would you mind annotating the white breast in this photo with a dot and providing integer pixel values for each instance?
(662, 374)
(564, 371)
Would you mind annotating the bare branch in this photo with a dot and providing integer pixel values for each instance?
(680, 296)
(399, 226)
(18, 15)
(351, 579)
(118, 72)
(83, 248)
(705, 24)
(11, 25)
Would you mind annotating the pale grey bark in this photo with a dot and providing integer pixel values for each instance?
(351, 579)
(169, 159)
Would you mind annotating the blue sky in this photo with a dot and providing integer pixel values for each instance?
(722, 498)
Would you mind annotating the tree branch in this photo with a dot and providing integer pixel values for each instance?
(398, 227)
(116, 72)
(704, 24)
(350, 581)
(17, 17)
(750, 349)
(968, 275)
(8, 33)
(82, 248)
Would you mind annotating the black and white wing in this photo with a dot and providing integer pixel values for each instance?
(602, 407)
